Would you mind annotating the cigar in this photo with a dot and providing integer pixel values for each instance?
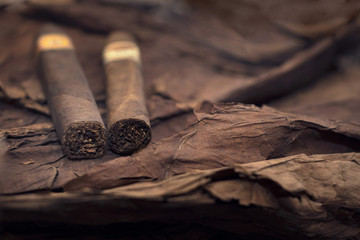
(73, 109)
(128, 122)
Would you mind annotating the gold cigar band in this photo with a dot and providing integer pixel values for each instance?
(54, 42)
(121, 50)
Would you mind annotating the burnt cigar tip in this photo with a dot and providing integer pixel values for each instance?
(84, 140)
(128, 135)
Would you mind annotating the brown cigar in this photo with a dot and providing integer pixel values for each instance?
(73, 109)
(127, 118)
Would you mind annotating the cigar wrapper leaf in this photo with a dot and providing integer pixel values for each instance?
(128, 122)
(73, 109)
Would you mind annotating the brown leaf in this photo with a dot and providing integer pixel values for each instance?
(226, 134)
(34, 160)
(182, 66)
(300, 197)
(28, 162)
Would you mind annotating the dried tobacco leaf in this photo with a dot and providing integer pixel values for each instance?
(184, 73)
(11, 116)
(312, 197)
(204, 70)
(40, 145)
(310, 19)
(223, 136)
(346, 110)
(205, 30)
(226, 134)
(335, 95)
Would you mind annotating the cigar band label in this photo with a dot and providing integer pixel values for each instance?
(124, 50)
(54, 42)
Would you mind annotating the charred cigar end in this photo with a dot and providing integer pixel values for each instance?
(84, 140)
(128, 135)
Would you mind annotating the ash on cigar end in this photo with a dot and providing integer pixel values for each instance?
(84, 140)
(128, 135)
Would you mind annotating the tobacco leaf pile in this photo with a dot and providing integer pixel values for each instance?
(254, 107)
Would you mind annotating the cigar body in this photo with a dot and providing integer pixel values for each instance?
(73, 109)
(128, 122)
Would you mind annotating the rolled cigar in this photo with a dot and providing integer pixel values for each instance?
(73, 109)
(128, 122)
